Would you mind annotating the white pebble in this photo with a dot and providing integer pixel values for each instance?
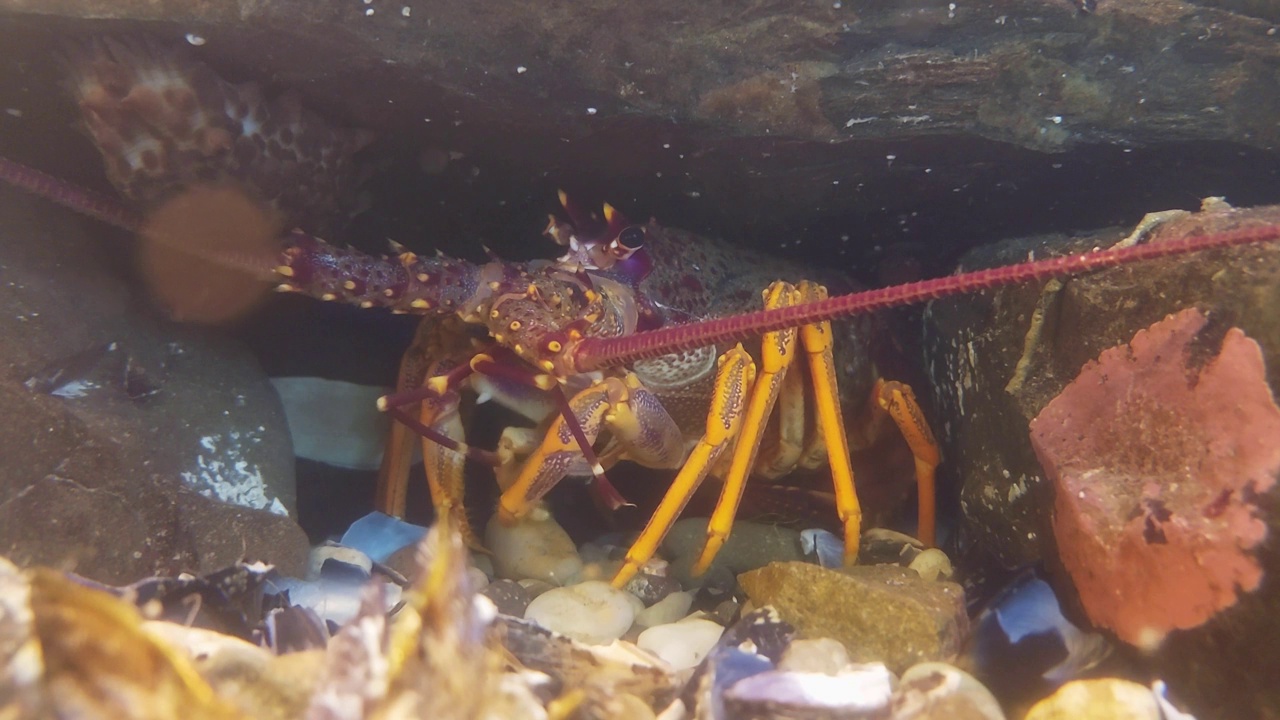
(667, 610)
(592, 612)
(682, 644)
(536, 547)
(479, 580)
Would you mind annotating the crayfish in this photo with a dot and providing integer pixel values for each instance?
(615, 345)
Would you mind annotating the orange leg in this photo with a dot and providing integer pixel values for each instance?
(899, 401)
(816, 340)
(735, 375)
(433, 353)
(778, 350)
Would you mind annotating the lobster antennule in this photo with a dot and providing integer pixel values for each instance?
(596, 353)
(414, 285)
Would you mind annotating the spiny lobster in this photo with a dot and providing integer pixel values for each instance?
(615, 320)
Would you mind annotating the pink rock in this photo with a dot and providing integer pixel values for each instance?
(1156, 451)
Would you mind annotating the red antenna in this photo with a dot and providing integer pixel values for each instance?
(85, 202)
(595, 353)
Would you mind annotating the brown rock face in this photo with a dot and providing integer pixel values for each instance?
(1156, 452)
(879, 612)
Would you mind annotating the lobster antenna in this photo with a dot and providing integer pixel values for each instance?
(112, 212)
(85, 202)
(596, 353)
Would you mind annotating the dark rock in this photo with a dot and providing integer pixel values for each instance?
(985, 399)
(99, 476)
(880, 613)
(509, 596)
(1036, 73)
(651, 588)
(842, 119)
(751, 545)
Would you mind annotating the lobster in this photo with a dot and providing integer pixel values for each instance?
(612, 341)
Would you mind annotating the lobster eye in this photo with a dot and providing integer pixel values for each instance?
(631, 238)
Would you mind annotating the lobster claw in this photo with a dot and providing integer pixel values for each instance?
(643, 429)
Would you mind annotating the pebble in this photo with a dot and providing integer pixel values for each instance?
(683, 644)
(750, 546)
(667, 610)
(592, 612)
(508, 596)
(535, 547)
(1108, 698)
(535, 587)
(651, 588)
(881, 546)
(938, 691)
(479, 581)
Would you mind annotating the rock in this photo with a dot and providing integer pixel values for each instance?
(881, 546)
(590, 612)
(1154, 519)
(535, 587)
(879, 613)
(938, 691)
(994, 368)
(750, 546)
(508, 596)
(985, 360)
(132, 429)
(683, 644)
(819, 655)
(535, 548)
(667, 610)
(1102, 699)
(652, 588)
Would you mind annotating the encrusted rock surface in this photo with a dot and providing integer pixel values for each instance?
(1156, 452)
(764, 120)
(1033, 72)
(880, 613)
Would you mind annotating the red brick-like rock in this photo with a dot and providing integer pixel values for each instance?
(1156, 450)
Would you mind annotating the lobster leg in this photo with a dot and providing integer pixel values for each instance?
(736, 372)
(816, 339)
(430, 356)
(899, 401)
(777, 352)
